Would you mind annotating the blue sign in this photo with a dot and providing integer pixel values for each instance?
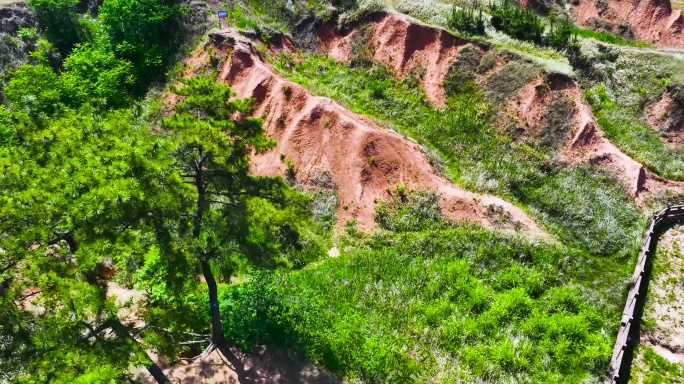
(222, 14)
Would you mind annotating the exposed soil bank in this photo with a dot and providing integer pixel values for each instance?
(402, 45)
(586, 143)
(405, 46)
(653, 21)
(319, 137)
(667, 118)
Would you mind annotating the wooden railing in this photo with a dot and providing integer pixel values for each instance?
(619, 362)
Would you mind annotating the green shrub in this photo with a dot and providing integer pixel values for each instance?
(412, 211)
(61, 23)
(144, 33)
(94, 73)
(560, 33)
(28, 91)
(6, 127)
(362, 50)
(464, 20)
(461, 75)
(517, 22)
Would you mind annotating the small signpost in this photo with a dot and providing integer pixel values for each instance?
(222, 15)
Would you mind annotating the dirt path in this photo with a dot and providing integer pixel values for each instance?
(671, 52)
(261, 367)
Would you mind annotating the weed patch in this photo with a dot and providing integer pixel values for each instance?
(462, 304)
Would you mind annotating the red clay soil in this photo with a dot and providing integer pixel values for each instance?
(653, 21)
(319, 136)
(337, 45)
(528, 108)
(659, 115)
(588, 143)
(403, 45)
(436, 50)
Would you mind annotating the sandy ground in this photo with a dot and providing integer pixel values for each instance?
(664, 304)
(7, 2)
(664, 311)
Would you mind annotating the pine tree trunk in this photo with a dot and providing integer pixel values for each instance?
(216, 329)
(153, 368)
(157, 373)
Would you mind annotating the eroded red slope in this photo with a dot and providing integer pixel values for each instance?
(321, 137)
(392, 41)
(653, 21)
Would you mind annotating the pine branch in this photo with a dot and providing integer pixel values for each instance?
(9, 266)
(94, 331)
(194, 342)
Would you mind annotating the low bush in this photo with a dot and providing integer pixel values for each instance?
(517, 22)
(410, 211)
(524, 24)
(466, 20)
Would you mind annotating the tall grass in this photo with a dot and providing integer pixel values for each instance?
(482, 158)
(453, 305)
(465, 20)
(608, 38)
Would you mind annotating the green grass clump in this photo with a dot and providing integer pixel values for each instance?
(608, 38)
(457, 305)
(517, 22)
(624, 128)
(480, 156)
(410, 212)
(655, 369)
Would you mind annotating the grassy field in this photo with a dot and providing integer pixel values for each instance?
(624, 127)
(456, 304)
(608, 38)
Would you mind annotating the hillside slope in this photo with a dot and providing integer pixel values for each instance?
(322, 138)
(654, 21)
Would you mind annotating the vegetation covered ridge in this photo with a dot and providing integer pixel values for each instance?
(154, 221)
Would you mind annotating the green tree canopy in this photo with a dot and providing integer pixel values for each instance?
(86, 190)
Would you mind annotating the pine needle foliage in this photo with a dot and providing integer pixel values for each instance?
(517, 22)
(467, 20)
